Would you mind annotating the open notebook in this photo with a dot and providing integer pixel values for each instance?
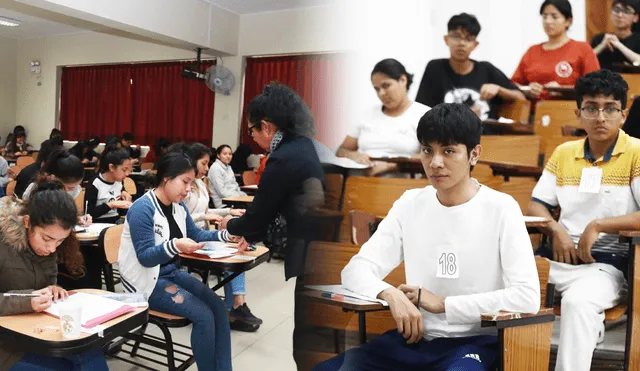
(96, 309)
(217, 250)
(94, 228)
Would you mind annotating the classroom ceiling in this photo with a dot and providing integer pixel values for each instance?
(262, 6)
(32, 27)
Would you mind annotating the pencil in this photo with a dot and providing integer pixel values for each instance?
(21, 295)
(419, 294)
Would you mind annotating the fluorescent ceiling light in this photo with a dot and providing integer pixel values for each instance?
(8, 22)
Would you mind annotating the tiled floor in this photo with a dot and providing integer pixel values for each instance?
(270, 348)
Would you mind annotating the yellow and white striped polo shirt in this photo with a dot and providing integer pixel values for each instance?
(619, 190)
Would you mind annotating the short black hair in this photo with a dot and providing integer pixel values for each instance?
(198, 151)
(173, 164)
(634, 4)
(602, 82)
(563, 6)
(45, 149)
(450, 124)
(464, 21)
(49, 204)
(65, 166)
(283, 107)
(394, 69)
(127, 136)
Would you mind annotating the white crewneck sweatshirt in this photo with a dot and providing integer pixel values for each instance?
(478, 255)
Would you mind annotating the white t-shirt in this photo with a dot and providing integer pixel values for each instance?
(478, 255)
(381, 135)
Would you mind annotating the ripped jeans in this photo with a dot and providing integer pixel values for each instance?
(179, 293)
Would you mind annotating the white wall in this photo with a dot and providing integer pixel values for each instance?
(412, 31)
(7, 86)
(36, 94)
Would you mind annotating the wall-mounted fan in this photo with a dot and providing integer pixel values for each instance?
(217, 78)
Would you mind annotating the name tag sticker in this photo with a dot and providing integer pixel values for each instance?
(590, 180)
(448, 265)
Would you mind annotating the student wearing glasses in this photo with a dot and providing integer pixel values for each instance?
(623, 45)
(596, 183)
(459, 79)
(559, 61)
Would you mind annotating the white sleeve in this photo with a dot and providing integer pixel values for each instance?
(635, 176)
(354, 129)
(546, 191)
(383, 252)
(519, 273)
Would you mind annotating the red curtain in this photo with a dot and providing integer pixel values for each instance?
(314, 77)
(151, 100)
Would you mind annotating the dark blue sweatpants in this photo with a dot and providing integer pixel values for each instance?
(391, 352)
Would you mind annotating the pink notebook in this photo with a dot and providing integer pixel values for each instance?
(96, 309)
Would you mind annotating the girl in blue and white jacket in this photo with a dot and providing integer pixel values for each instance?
(157, 228)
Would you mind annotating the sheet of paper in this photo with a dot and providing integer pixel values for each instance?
(338, 289)
(327, 156)
(503, 120)
(94, 228)
(93, 306)
(217, 250)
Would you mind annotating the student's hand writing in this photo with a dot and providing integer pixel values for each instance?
(361, 158)
(125, 196)
(237, 212)
(428, 301)
(489, 91)
(243, 245)
(564, 250)
(119, 204)
(188, 245)
(85, 220)
(42, 302)
(588, 238)
(58, 292)
(407, 316)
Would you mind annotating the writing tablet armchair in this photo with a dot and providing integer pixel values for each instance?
(524, 338)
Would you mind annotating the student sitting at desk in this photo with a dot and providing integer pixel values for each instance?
(466, 252)
(64, 167)
(595, 182)
(197, 202)
(558, 62)
(623, 45)
(387, 129)
(28, 174)
(105, 198)
(35, 236)
(18, 145)
(460, 79)
(157, 228)
(222, 181)
(84, 152)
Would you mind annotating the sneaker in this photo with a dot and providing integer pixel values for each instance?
(243, 326)
(243, 313)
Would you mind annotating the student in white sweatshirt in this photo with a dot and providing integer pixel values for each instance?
(222, 180)
(466, 252)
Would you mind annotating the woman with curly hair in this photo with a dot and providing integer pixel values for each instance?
(34, 238)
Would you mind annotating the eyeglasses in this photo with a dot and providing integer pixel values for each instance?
(609, 113)
(250, 130)
(462, 39)
(621, 10)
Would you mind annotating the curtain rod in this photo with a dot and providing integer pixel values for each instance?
(149, 62)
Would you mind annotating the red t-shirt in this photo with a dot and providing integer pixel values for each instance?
(563, 65)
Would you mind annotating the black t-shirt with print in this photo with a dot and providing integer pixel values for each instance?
(607, 57)
(174, 230)
(440, 84)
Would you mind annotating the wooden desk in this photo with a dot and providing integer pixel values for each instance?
(219, 266)
(411, 165)
(516, 128)
(561, 92)
(632, 344)
(507, 170)
(536, 227)
(249, 189)
(237, 202)
(348, 305)
(18, 332)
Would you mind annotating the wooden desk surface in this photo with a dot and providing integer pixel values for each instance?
(316, 296)
(516, 128)
(19, 331)
(239, 199)
(398, 160)
(230, 264)
(88, 236)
